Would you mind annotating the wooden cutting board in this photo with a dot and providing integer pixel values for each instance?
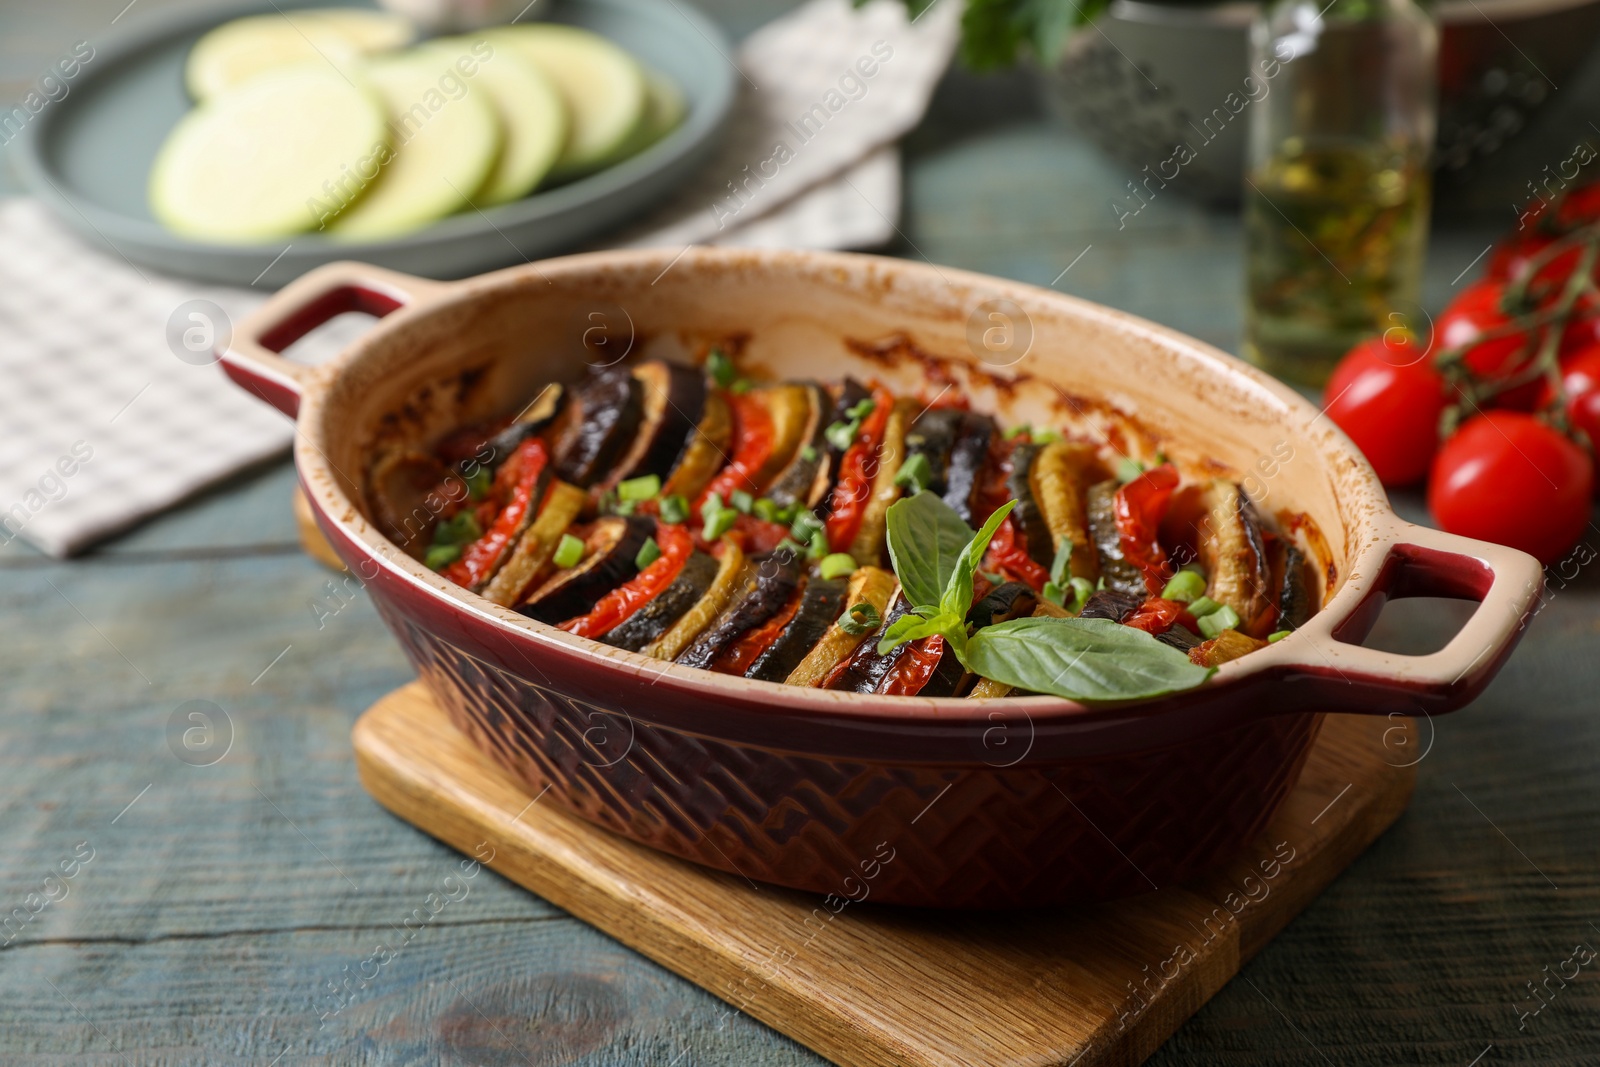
(884, 986)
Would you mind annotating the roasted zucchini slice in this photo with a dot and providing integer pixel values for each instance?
(768, 588)
(1119, 574)
(792, 411)
(597, 425)
(1060, 478)
(867, 548)
(1294, 588)
(656, 617)
(805, 479)
(1230, 547)
(731, 568)
(868, 585)
(706, 451)
(864, 670)
(533, 550)
(1226, 646)
(1027, 516)
(610, 552)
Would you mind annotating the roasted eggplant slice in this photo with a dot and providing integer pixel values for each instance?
(767, 590)
(865, 669)
(1113, 604)
(597, 425)
(968, 458)
(656, 617)
(1060, 478)
(536, 417)
(1027, 516)
(933, 436)
(805, 479)
(706, 451)
(673, 403)
(731, 568)
(1119, 574)
(1230, 547)
(868, 585)
(1180, 637)
(1294, 589)
(820, 604)
(867, 548)
(609, 554)
(1009, 600)
(528, 560)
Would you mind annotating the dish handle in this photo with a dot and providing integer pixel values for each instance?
(252, 357)
(1421, 561)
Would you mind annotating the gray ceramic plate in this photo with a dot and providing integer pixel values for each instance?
(87, 155)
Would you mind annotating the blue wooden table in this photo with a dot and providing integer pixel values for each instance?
(211, 907)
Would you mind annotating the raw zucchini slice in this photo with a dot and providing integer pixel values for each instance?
(238, 51)
(664, 109)
(250, 165)
(442, 153)
(602, 85)
(532, 115)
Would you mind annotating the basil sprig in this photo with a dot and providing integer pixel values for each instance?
(935, 555)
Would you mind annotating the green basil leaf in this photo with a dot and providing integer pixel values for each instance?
(1080, 659)
(914, 627)
(957, 596)
(926, 538)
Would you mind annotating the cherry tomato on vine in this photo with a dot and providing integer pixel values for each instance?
(1580, 206)
(1386, 395)
(1509, 478)
(1513, 258)
(1473, 314)
(1580, 378)
(1583, 328)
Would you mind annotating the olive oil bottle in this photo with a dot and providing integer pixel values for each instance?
(1337, 181)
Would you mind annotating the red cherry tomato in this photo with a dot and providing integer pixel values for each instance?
(1513, 258)
(1580, 378)
(1583, 328)
(1509, 478)
(1471, 315)
(1580, 206)
(1388, 398)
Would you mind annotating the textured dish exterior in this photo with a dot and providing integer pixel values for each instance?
(1019, 802)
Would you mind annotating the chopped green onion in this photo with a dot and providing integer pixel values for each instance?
(568, 552)
(1055, 594)
(914, 474)
(625, 507)
(1185, 586)
(841, 435)
(791, 546)
(1202, 606)
(440, 556)
(860, 619)
(808, 454)
(1274, 638)
(1061, 566)
(1081, 592)
(766, 509)
(741, 386)
(1224, 618)
(1045, 437)
(711, 507)
(461, 530)
(805, 524)
(787, 513)
(862, 408)
(719, 523)
(478, 482)
(1018, 431)
(741, 500)
(644, 487)
(649, 552)
(818, 546)
(721, 368)
(837, 565)
(1128, 469)
(674, 509)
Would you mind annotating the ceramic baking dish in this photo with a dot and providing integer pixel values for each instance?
(981, 804)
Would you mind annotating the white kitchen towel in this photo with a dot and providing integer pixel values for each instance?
(111, 409)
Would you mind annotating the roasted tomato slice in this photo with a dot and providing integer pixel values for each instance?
(520, 476)
(1156, 616)
(857, 470)
(913, 667)
(753, 439)
(1139, 507)
(1008, 555)
(676, 544)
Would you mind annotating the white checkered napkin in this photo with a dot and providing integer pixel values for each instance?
(808, 112)
(855, 210)
(102, 424)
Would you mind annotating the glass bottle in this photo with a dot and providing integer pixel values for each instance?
(1336, 178)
